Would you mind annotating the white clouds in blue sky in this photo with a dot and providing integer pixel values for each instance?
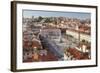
(78, 15)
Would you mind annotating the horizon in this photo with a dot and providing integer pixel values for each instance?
(37, 13)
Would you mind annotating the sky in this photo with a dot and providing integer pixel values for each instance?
(35, 13)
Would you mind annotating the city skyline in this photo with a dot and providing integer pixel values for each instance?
(36, 13)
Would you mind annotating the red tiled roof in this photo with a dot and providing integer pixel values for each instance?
(77, 54)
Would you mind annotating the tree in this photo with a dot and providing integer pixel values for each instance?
(47, 20)
(40, 18)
